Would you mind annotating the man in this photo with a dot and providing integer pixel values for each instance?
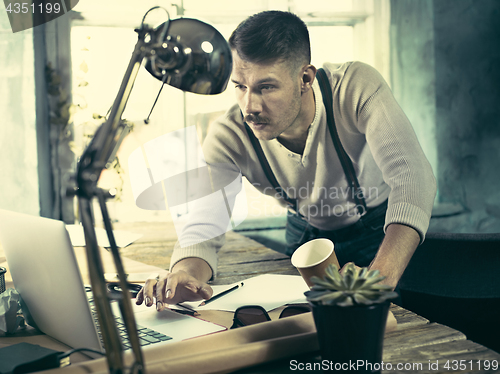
(280, 101)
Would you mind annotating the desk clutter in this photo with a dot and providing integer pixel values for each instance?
(266, 347)
(2, 279)
(267, 290)
(26, 358)
(10, 319)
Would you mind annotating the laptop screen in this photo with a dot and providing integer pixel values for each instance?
(45, 272)
(46, 275)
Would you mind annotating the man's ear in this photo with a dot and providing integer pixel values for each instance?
(308, 76)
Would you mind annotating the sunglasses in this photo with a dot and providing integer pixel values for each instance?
(251, 314)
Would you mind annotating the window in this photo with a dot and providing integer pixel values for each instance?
(102, 40)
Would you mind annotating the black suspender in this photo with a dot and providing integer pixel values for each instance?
(326, 92)
(346, 162)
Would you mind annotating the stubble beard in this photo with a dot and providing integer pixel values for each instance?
(276, 129)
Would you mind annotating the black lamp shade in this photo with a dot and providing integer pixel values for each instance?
(194, 57)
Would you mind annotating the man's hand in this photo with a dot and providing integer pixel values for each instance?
(186, 282)
(173, 288)
(394, 253)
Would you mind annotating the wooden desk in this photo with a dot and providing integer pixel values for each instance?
(239, 258)
(415, 342)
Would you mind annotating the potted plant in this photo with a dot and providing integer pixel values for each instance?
(350, 313)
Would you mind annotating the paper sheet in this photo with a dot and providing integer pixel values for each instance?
(175, 325)
(269, 291)
(122, 238)
(9, 306)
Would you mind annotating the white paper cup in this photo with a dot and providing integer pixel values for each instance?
(313, 257)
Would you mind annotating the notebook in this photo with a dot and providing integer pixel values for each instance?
(45, 272)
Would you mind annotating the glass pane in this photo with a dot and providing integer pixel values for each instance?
(100, 56)
(223, 6)
(310, 6)
(116, 7)
(331, 44)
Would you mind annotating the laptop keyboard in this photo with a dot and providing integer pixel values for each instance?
(146, 336)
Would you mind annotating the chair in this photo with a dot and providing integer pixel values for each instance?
(454, 279)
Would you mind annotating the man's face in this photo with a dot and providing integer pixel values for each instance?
(269, 96)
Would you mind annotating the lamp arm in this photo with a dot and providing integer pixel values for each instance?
(187, 54)
(92, 162)
(107, 139)
(98, 155)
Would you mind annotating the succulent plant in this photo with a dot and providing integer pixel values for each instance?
(356, 286)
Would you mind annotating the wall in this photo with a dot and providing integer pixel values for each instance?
(467, 40)
(412, 69)
(18, 138)
(446, 76)
(36, 161)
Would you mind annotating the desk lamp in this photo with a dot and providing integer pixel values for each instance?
(184, 53)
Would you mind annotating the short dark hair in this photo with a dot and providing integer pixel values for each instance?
(271, 36)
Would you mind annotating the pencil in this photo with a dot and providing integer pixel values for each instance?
(188, 312)
(223, 293)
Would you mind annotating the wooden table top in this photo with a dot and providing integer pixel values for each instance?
(416, 346)
(415, 341)
(239, 258)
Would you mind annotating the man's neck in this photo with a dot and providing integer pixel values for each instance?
(294, 145)
(295, 137)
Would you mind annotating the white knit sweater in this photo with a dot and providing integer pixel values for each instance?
(376, 135)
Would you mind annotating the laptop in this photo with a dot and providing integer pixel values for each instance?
(45, 272)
